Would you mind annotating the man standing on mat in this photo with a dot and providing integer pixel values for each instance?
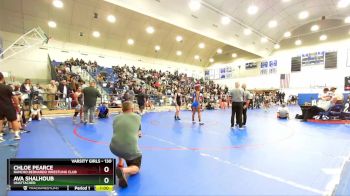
(237, 106)
(124, 143)
(141, 100)
(246, 101)
(90, 96)
(8, 102)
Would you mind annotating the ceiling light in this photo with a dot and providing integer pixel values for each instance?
(194, 5)
(234, 55)
(111, 18)
(196, 57)
(211, 60)
(219, 50)
(263, 40)
(225, 20)
(252, 9)
(57, 3)
(52, 24)
(157, 48)
(303, 15)
(272, 23)
(315, 28)
(343, 3)
(347, 19)
(298, 42)
(323, 37)
(287, 34)
(131, 41)
(247, 31)
(277, 46)
(150, 30)
(179, 38)
(178, 53)
(201, 45)
(96, 34)
(285, 0)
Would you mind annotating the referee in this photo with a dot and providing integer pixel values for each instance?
(8, 102)
(237, 106)
(246, 101)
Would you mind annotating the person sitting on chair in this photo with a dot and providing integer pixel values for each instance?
(283, 112)
(322, 106)
(103, 111)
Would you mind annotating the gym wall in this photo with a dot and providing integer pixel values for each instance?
(310, 78)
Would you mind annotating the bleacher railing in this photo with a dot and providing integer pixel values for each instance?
(55, 101)
(87, 77)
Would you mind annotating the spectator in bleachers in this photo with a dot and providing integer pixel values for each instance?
(51, 90)
(26, 89)
(64, 91)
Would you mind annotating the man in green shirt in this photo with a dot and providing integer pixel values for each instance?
(124, 143)
(90, 96)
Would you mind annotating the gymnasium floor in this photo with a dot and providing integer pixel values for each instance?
(269, 157)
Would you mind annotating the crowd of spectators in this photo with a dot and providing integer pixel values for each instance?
(160, 85)
(156, 85)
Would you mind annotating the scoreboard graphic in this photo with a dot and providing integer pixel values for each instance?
(80, 174)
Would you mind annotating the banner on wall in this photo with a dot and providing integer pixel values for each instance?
(251, 65)
(218, 73)
(268, 67)
(313, 58)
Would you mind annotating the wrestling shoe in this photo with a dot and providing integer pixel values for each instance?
(324, 117)
(317, 117)
(17, 136)
(122, 179)
(2, 137)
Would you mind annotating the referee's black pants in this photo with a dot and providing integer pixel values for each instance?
(244, 112)
(237, 109)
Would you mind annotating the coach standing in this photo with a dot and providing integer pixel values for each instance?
(8, 102)
(90, 97)
(237, 106)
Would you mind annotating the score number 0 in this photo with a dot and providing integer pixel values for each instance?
(106, 170)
